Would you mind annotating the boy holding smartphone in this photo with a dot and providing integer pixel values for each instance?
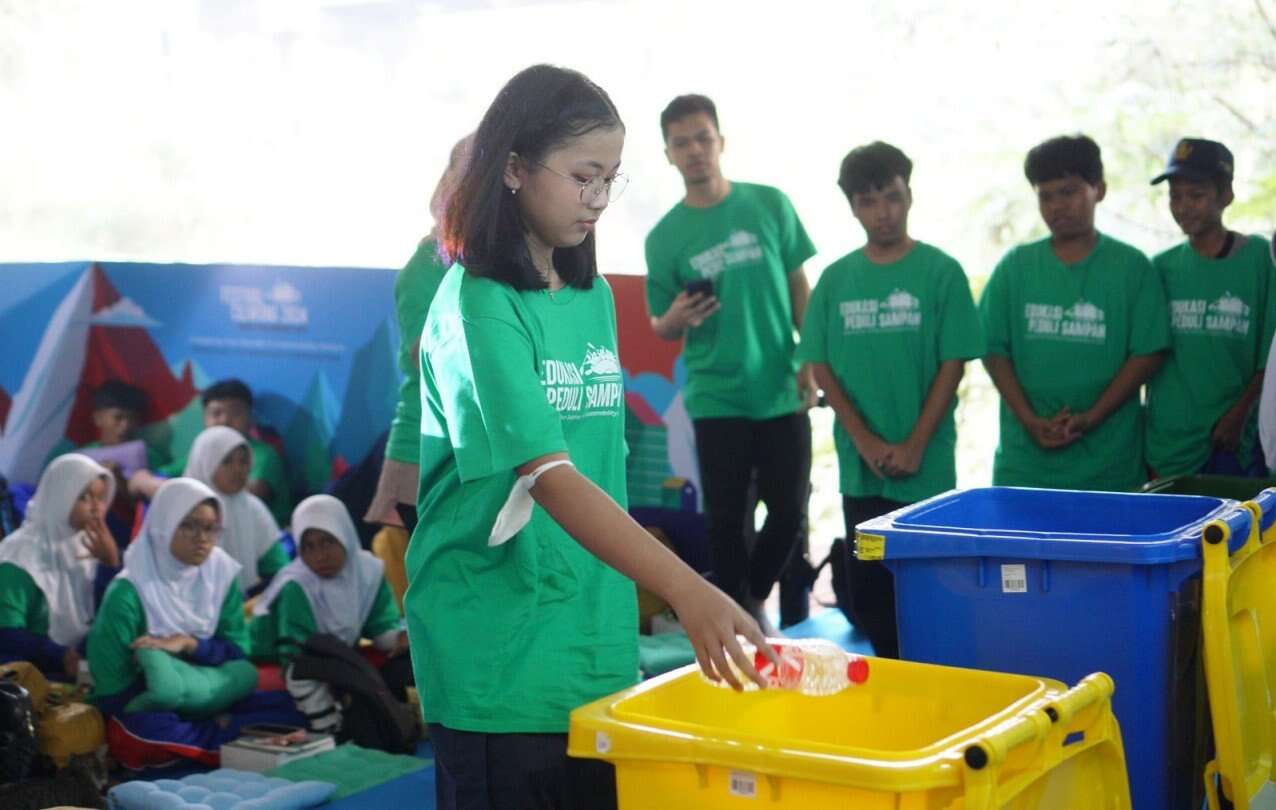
(725, 273)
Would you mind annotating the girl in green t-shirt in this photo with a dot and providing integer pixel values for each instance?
(520, 603)
(49, 566)
(414, 288)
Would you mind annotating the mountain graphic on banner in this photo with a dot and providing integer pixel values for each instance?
(372, 392)
(312, 431)
(94, 335)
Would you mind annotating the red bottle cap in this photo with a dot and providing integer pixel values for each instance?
(857, 670)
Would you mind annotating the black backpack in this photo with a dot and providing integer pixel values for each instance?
(373, 718)
(17, 732)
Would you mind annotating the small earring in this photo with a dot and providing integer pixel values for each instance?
(513, 191)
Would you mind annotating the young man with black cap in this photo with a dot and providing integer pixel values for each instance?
(888, 333)
(1221, 288)
(1075, 324)
(725, 272)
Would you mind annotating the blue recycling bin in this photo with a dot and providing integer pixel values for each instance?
(1060, 584)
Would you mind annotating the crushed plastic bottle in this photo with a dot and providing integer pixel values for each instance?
(808, 666)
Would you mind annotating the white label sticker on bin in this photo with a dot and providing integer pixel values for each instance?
(602, 742)
(1014, 579)
(743, 784)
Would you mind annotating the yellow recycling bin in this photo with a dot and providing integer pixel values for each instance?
(1238, 620)
(915, 736)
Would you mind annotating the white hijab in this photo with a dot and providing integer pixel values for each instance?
(53, 553)
(178, 598)
(250, 528)
(341, 605)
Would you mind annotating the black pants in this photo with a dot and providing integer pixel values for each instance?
(476, 771)
(871, 584)
(732, 452)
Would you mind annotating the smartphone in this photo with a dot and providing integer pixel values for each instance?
(700, 285)
(268, 730)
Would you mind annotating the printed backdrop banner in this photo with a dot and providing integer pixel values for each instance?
(316, 344)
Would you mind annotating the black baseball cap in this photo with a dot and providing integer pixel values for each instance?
(1198, 159)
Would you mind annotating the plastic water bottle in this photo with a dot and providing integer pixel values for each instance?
(808, 666)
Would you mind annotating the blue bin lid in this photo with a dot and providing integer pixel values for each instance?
(1051, 524)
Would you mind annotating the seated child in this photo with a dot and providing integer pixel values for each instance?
(56, 565)
(221, 458)
(178, 593)
(230, 403)
(333, 587)
(118, 410)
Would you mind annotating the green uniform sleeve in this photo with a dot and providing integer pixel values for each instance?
(794, 242)
(961, 337)
(231, 625)
(404, 441)
(270, 563)
(662, 277)
(414, 289)
(813, 346)
(18, 597)
(268, 467)
(994, 309)
(119, 621)
(278, 635)
(173, 468)
(154, 457)
(384, 615)
(1150, 314)
(496, 411)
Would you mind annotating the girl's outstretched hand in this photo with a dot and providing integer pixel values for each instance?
(713, 621)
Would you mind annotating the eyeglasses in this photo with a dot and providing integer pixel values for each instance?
(591, 188)
(190, 527)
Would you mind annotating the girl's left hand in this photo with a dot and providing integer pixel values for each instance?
(177, 644)
(99, 543)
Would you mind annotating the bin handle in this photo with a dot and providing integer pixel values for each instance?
(1240, 521)
(1266, 501)
(989, 751)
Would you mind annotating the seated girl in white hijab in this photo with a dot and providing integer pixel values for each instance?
(54, 568)
(334, 587)
(178, 593)
(222, 458)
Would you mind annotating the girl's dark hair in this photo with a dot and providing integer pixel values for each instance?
(536, 112)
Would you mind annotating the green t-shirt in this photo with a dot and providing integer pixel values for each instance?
(121, 619)
(884, 330)
(1068, 329)
(1222, 313)
(740, 360)
(22, 603)
(512, 638)
(267, 466)
(280, 633)
(414, 289)
(272, 561)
